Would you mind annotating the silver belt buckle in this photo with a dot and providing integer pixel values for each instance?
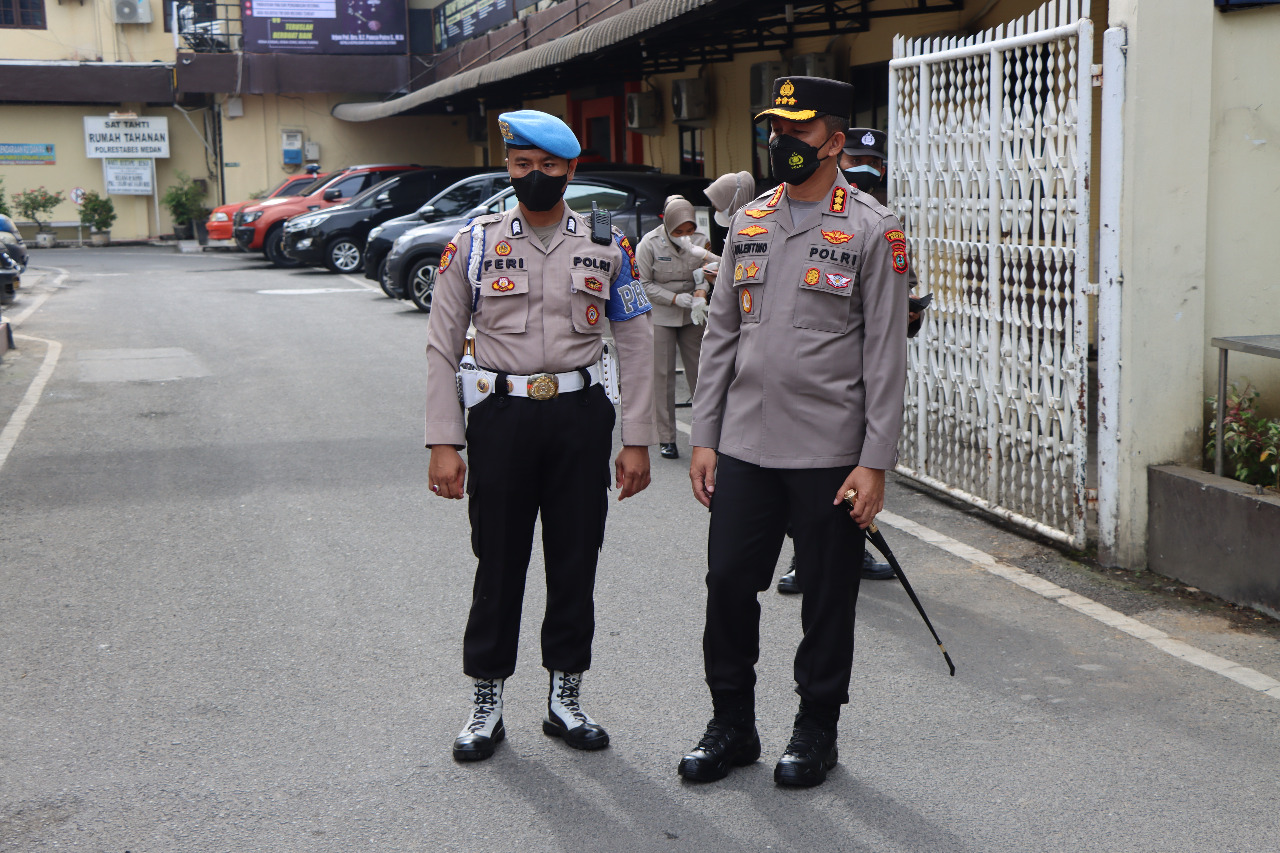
(543, 386)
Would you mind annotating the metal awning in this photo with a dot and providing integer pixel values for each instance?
(583, 42)
(626, 45)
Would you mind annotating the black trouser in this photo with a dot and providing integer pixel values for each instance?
(750, 513)
(530, 456)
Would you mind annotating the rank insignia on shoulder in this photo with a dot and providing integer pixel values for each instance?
(593, 315)
(446, 257)
(753, 231)
(838, 197)
(516, 227)
(504, 284)
(744, 299)
(572, 224)
(594, 283)
(503, 248)
(813, 276)
(757, 213)
(776, 197)
(837, 281)
(836, 238)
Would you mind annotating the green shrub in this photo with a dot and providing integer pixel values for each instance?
(4, 205)
(184, 201)
(97, 212)
(1250, 442)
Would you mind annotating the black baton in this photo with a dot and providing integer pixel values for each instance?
(877, 539)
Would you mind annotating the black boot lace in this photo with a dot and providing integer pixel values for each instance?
(567, 695)
(483, 705)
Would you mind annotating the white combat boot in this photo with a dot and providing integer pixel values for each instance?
(565, 717)
(483, 731)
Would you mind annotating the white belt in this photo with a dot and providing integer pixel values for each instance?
(476, 384)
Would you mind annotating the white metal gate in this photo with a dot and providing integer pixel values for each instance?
(989, 170)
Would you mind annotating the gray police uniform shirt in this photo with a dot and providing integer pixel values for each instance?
(805, 357)
(540, 309)
(666, 270)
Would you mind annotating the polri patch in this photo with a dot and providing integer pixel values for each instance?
(446, 257)
(898, 245)
(504, 284)
(594, 283)
(593, 315)
(836, 238)
(812, 276)
(837, 281)
(744, 299)
(503, 248)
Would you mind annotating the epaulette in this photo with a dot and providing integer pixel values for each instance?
(487, 218)
(868, 200)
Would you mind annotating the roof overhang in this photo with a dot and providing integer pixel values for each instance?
(54, 82)
(656, 36)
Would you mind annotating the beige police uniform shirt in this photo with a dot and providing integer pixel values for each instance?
(805, 356)
(541, 309)
(666, 270)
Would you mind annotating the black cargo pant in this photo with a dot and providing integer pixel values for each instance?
(528, 457)
(750, 512)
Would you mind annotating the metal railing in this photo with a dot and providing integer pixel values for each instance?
(205, 27)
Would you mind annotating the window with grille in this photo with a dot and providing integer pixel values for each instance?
(24, 14)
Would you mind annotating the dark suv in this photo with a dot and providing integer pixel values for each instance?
(451, 202)
(335, 237)
(634, 200)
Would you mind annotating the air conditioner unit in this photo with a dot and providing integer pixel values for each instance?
(644, 112)
(477, 128)
(131, 11)
(814, 65)
(690, 99)
(762, 76)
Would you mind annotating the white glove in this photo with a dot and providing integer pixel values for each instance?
(699, 311)
(683, 300)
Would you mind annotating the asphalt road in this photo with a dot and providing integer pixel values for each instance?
(230, 620)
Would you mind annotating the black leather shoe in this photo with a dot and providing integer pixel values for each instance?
(787, 584)
(810, 754)
(477, 747)
(669, 450)
(724, 746)
(873, 571)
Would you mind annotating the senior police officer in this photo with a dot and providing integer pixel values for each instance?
(538, 286)
(671, 260)
(799, 402)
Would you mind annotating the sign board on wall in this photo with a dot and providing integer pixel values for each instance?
(325, 26)
(127, 176)
(27, 154)
(141, 136)
(460, 20)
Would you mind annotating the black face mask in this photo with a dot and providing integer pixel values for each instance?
(538, 191)
(794, 160)
(865, 178)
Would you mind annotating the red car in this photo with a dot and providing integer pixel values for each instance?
(219, 224)
(260, 225)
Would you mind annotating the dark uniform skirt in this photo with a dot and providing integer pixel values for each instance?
(528, 457)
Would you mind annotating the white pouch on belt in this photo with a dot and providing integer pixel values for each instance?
(609, 375)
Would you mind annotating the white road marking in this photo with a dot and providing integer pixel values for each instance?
(1250, 678)
(362, 282)
(310, 291)
(9, 436)
(38, 300)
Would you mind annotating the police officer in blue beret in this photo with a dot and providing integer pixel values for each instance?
(527, 398)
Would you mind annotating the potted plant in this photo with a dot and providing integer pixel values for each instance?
(98, 214)
(33, 204)
(184, 201)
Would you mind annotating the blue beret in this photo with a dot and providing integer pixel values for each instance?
(536, 129)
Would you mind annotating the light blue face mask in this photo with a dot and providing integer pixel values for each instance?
(864, 178)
